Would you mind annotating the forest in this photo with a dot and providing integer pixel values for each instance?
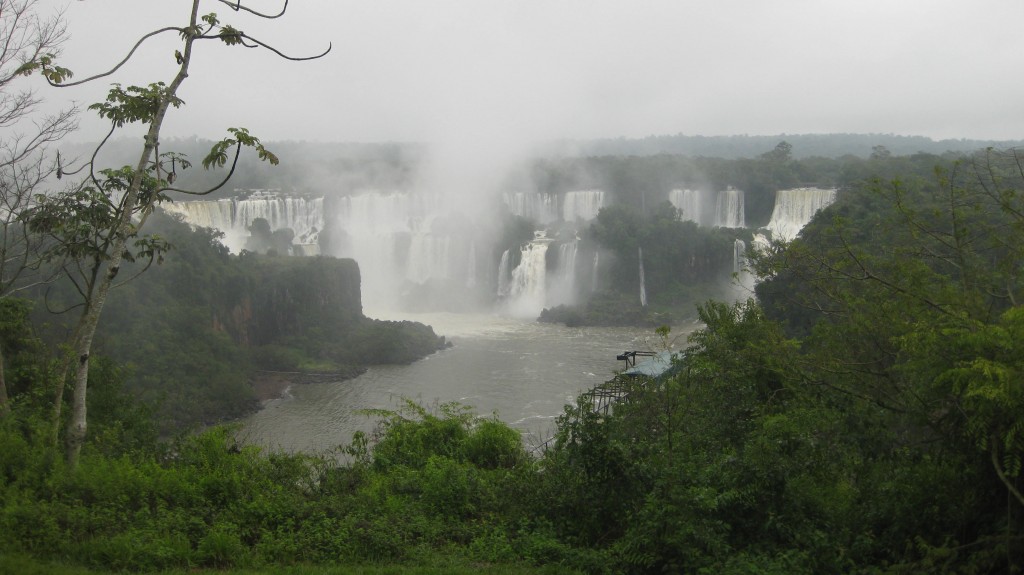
(861, 415)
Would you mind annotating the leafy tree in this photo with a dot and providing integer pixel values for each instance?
(781, 153)
(907, 292)
(140, 187)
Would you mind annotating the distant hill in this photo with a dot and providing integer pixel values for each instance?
(316, 168)
(804, 145)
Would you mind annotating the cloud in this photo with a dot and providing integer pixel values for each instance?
(414, 70)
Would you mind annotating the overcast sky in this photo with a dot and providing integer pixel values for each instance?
(517, 70)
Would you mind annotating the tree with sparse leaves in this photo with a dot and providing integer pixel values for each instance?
(27, 41)
(121, 200)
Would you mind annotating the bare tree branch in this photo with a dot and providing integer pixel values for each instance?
(119, 64)
(237, 5)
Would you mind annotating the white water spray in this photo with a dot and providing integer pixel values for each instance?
(527, 286)
(795, 208)
(582, 205)
(643, 282)
(729, 209)
(541, 208)
(724, 208)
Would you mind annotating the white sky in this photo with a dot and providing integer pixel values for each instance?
(516, 70)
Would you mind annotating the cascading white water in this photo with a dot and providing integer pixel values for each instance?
(643, 282)
(582, 205)
(429, 257)
(541, 208)
(724, 208)
(505, 275)
(562, 287)
(743, 278)
(739, 256)
(593, 271)
(795, 208)
(471, 267)
(233, 217)
(527, 288)
(729, 209)
(399, 237)
(690, 203)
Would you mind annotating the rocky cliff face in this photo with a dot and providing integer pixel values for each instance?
(286, 297)
(314, 305)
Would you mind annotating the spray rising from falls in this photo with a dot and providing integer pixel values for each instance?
(400, 238)
(795, 208)
(234, 216)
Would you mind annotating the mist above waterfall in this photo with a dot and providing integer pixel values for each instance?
(457, 227)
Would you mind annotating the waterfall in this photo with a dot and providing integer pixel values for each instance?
(795, 208)
(697, 205)
(429, 257)
(743, 279)
(541, 208)
(689, 203)
(739, 251)
(527, 289)
(582, 205)
(567, 261)
(400, 237)
(593, 271)
(643, 283)
(729, 209)
(233, 216)
(563, 284)
(505, 275)
(471, 268)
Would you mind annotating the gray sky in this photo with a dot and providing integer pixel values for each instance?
(469, 71)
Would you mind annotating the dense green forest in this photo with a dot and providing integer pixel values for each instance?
(862, 415)
(194, 330)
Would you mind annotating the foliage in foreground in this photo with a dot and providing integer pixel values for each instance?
(438, 495)
(873, 427)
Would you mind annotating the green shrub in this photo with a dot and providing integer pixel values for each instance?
(221, 547)
(447, 487)
(492, 444)
(410, 442)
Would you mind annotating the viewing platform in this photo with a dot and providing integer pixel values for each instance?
(657, 366)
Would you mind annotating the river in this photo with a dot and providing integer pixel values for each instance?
(525, 372)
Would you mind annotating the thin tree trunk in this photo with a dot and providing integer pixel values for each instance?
(78, 423)
(58, 394)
